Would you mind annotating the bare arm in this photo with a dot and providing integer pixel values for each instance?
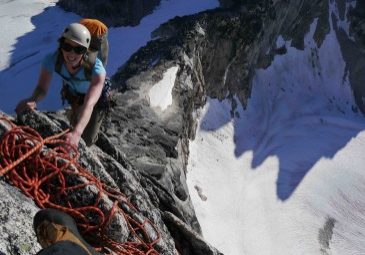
(91, 98)
(43, 85)
(39, 92)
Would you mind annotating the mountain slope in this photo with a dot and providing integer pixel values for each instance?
(291, 162)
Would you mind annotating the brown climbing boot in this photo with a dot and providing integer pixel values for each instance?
(58, 230)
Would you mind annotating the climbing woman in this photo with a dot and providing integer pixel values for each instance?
(83, 82)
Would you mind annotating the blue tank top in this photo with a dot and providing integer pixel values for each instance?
(77, 82)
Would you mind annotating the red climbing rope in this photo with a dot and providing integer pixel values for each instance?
(47, 170)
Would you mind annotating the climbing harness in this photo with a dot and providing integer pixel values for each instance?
(47, 170)
(106, 100)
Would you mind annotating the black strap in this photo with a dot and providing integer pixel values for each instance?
(72, 97)
(88, 65)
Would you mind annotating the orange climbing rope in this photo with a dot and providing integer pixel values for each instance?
(47, 170)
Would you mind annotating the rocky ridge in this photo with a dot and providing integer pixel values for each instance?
(112, 12)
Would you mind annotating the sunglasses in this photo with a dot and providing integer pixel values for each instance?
(77, 49)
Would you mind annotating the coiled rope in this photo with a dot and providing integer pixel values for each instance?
(46, 171)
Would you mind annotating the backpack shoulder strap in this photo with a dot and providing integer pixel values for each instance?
(88, 65)
(59, 62)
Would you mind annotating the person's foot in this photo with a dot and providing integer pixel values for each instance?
(56, 229)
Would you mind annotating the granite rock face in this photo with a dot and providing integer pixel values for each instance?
(16, 217)
(109, 165)
(357, 25)
(113, 174)
(216, 53)
(354, 50)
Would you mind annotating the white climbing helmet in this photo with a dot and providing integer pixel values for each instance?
(77, 33)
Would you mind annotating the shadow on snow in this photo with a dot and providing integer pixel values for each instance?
(297, 139)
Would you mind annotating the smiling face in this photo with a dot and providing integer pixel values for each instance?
(70, 56)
